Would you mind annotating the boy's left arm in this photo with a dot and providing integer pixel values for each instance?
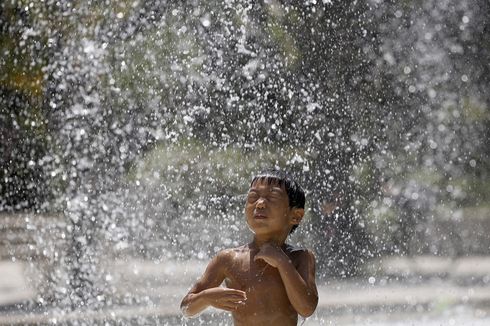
(299, 283)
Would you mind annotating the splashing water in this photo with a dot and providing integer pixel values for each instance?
(130, 131)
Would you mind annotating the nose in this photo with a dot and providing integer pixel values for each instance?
(260, 203)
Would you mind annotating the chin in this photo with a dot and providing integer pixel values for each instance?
(257, 230)
(252, 229)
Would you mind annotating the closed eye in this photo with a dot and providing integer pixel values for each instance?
(252, 197)
(276, 194)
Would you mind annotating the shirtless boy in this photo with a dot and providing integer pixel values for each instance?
(268, 282)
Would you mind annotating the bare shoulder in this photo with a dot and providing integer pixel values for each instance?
(297, 250)
(227, 256)
(233, 251)
(224, 256)
(300, 255)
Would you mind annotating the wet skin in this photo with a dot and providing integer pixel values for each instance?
(267, 281)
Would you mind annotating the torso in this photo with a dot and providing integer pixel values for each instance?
(267, 301)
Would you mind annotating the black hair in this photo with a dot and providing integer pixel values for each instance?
(295, 192)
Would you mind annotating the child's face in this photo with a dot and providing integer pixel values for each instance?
(267, 209)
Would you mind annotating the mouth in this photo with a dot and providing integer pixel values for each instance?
(259, 216)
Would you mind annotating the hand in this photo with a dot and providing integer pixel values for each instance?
(225, 298)
(271, 254)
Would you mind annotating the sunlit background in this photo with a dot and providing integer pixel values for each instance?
(130, 130)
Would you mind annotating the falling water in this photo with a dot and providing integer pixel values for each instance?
(130, 131)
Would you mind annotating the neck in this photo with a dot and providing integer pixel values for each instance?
(258, 241)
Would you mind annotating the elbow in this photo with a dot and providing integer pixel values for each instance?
(184, 308)
(188, 308)
(186, 312)
(307, 312)
(308, 309)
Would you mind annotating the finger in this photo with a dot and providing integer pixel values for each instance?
(231, 300)
(237, 293)
(234, 297)
(229, 306)
(234, 300)
(234, 291)
(240, 294)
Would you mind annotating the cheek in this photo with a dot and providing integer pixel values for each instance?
(287, 212)
(248, 209)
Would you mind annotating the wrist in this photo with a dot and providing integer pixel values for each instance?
(284, 262)
(203, 297)
(193, 304)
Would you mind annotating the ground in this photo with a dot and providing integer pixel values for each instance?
(400, 291)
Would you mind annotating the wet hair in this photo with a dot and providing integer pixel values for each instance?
(295, 192)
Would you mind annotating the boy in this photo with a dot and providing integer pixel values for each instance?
(268, 282)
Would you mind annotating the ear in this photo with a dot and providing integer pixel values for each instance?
(297, 215)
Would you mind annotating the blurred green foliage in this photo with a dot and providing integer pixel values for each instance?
(24, 133)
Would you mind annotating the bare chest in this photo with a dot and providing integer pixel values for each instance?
(259, 280)
(267, 300)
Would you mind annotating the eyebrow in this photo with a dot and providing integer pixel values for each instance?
(277, 188)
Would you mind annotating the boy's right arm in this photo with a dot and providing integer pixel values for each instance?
(207, 291)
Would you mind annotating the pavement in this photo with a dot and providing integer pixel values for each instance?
(392, 285)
